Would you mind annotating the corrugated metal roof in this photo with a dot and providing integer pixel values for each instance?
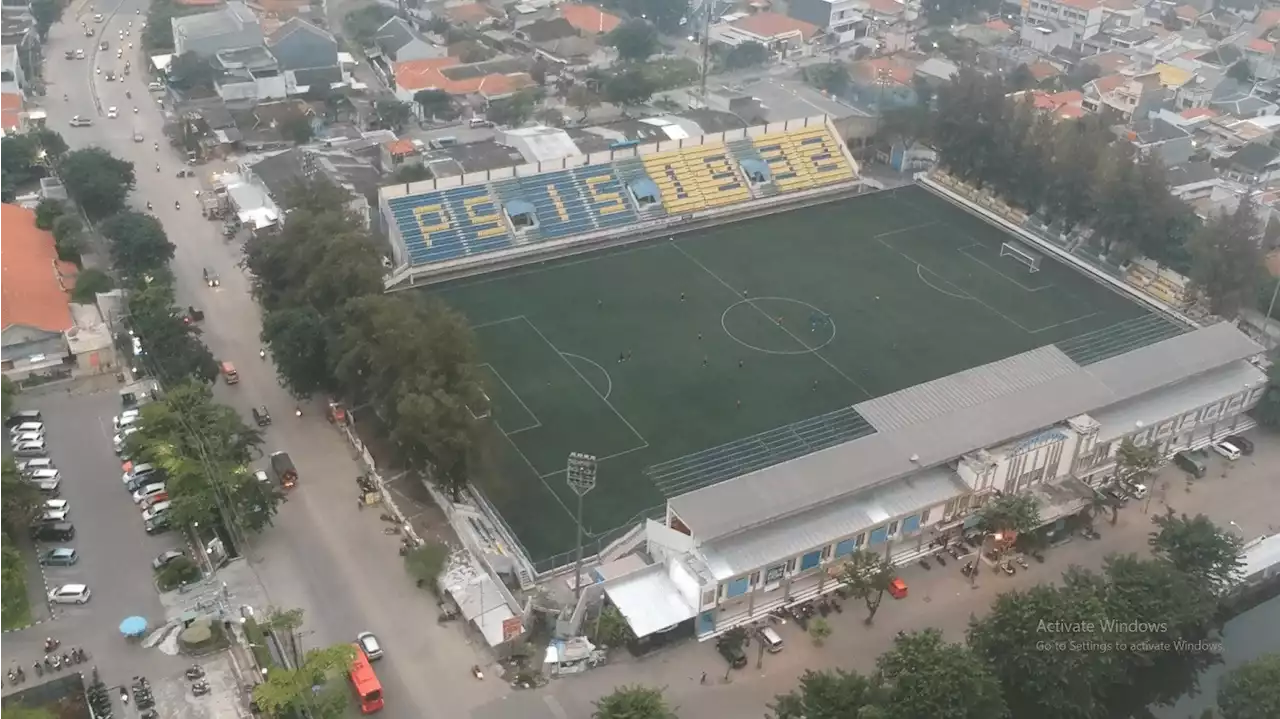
(649, 599)
(731, 556)
(771, 494)
(965, 389)
(1119, 419)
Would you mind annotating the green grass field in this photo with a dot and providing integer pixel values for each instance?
(648, 353)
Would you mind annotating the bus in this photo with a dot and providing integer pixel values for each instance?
(366, 683)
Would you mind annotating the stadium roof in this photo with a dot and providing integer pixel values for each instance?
(948, 431)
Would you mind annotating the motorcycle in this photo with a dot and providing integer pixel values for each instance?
(13, 677)
(148, 205)
(195, 671)
(56, 663)
(941, 562)
(51, 645)
(262, 354)
(297, 411)
(925, 563)
(177, 205)
(124, 696)
(39, 670)
(1007, 568)
(475, 670)
(1022, 562)
(157, 167)
(66, 659)
(129, 96)
(200, 688)
(968, 569)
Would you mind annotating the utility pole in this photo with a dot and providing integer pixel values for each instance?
(580, 472)
(706, 49)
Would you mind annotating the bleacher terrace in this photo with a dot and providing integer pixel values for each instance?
(508, 208)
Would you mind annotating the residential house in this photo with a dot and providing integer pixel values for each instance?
(1260, 53)
(40, 335)
(841, 20)
(485, 81)
(936, 71)
(1239, 100)
(12, 77)
(471, 14)
(884, 12)
(277, 173)
(232, 27)
(993, 32)
(400, 42)
(1254, 164)
(1047, 35)
(589, 19)
(1131, 97)
(1219, 22)
(1061, 105)
(1171, 144)
(306, 52)
(11, 117)
(249, 75)
(1084, 17)
(556, 39)
(398, 154)
(1192, 180)
(783, 36)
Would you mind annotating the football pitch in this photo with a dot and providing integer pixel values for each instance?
(760, 333)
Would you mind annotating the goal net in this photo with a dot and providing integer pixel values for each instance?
(1021, 254)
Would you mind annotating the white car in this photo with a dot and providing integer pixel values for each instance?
(44, 475)
(25, 427)
(70, 594)
(57, 505)
(112, 113)
(125, 418)
(31, 449)
(1227, 450)
(78, 121)
(156, 511)
(54, 515)
(27, 437)
(150, 490)
(118, 440)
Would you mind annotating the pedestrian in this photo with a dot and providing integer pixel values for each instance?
(682, 297)
(699, 335)
(815, 386)
(621, 356)
(599, 303)
(704, 360)
(740, 364)
(739, 404)
(703, 680)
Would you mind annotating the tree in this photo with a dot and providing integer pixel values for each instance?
(1225, 259)
(300, 339)
(20, 500)
(633, 702)
(171, 348)
(97, 181)
(611, 628)
(48, 212)
(635, 40)
(924, 676)
(1098, 502)
(286, 623)
(629, 87)
(15, 607)
(297, 128)
(1016, 512)
(827, 695)
(190, 72)
(1198, 547)
(315, 687)
(1241, 72)
(435, 103)
(666, 15)
(426, 563)
(1136, 463)
(415, 172)
(9, 392)
(51, 142)
(582, 99)
(362, 24)
(68, 238)
(867, 575)
(515, 110)
(89, 283)
(1268, 409)
(831, 77)
(1022, 78)
(139, 246)
(1251, 690)
(1026, 641)
(45, 13)
(391, 114)
(748, 54)
(819, 630)
(18, 161)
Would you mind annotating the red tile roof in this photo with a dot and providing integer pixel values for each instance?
(415, 75)
(874, 69)
(1109, 83)
(886, 7)
(589, 18)
(1042, 71)
(10, 111)
(1268, 18)
(1070, 112)
(772, 24)
(999, 25)
(31, 290)
(469, 13)
(397, 148)
(1195, 112)
(1259, 45)
(1186, 12)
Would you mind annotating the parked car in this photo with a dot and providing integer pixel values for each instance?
(54, 515)
(70, 594)
(156, 510)
(1244, 444)
(153, 500)
(118, 440)
(31, 449)
(1190, 463)
(77, 121)
(59, 557)
(163, 559)
(148, 491)
(21, 416)
(53, 531)
(137, 472)
(369, 643)
(261, 416)
(25, 427)
(732, 653)
(157, 525)
(27, 437)
(126, 418)
(1227, 450)
(31, 466)
(57, 505)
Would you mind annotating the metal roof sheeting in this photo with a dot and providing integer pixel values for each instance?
(772, 494)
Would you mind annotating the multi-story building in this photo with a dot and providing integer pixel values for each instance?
(1084, 17)
(843, 20)
(1040, 422)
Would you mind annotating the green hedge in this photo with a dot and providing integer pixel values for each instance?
(13, 590)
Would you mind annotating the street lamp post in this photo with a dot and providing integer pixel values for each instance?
(580, 472)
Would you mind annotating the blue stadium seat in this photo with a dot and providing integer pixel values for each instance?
(447, 224)
(570, 202)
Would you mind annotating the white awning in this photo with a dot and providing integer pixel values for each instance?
(162, 62)
(649, 600)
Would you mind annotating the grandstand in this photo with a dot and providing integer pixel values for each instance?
(439, 226)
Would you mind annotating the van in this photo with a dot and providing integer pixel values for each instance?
(478, 122)
(442, 142)
(771, 640)
(229, 373)
(1228, 450)
(21, 416)
(1189, 464)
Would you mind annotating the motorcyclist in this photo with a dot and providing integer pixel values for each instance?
(177, 205)
(65, 98)
(157, 167)
(148, 204)
(157, 146)
(262, 353)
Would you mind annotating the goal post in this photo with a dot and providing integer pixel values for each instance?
(1021, 254)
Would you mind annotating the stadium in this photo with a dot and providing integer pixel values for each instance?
(775, 363)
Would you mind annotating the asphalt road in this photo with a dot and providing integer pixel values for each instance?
(323, 555)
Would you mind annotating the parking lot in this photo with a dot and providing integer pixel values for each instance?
(113, 558)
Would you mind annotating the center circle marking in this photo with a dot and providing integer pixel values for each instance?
(754, 308)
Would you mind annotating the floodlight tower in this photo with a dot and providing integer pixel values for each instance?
(581, 475)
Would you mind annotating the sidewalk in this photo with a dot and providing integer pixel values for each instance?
(1244, 493)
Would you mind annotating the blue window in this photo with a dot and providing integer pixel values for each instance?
(846, 547)
(706, 622)
(879, 535)
(810, 560)
(737, 587)
(911, 524)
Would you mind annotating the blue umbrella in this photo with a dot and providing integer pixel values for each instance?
(133, 626)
